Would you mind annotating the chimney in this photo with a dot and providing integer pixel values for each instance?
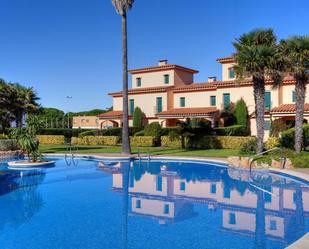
(162, 62)
(212, 79)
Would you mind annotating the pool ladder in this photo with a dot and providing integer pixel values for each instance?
(255, 157)
(69, 155)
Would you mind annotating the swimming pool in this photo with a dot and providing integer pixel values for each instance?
(157, 204)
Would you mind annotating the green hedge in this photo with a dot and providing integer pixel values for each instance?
(143, 141)
(171, 142)
(51, 139)
(67, 133)
(288, 137)
(8, 144)
(207, 142)
(117, 131)
(96, 140)
(234, 130)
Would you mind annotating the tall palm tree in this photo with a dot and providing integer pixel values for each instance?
(295, 51)
(257, 58)
(122, 7)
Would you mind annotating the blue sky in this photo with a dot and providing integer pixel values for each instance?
(73, 47)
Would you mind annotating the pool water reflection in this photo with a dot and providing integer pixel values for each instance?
(150, 205)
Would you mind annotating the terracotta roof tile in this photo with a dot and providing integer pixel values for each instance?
(143, 90)
(111, 114)
(228, 59)
(189, 111)
(288, 108)
(162, 68)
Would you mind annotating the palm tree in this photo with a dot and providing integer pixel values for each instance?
(257, 58)
(122, 6)
(23, 100)
(295, 51)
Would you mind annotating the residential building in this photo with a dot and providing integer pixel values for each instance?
(167, 94)
(86, 122)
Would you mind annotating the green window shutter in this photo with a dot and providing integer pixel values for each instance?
(293, 96)
(131, 107)
(166, 79)
(213, 101)
(182, 102)
(138, 82)
(267, 101)
(159, 104)
(231, 73)
(226, 100)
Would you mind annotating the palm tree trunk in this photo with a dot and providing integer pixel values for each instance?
(19, 119)
(126, 149)
(300, 89)
(259, 92)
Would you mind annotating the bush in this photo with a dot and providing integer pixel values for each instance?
(288, 137)
(96, 140)
(138, 118)
(143, 141)
(50, 139)
(233, 130)
(139, 133)
(271, 143)
(67, 133)
(248, 147)
(153, 129)
(171, 141)
(3, 136)
(241, 113)
(8, 144)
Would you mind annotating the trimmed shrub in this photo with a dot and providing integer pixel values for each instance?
(138, 118)
(241, 113)
(8, 144)
(143, 141)
(153, 129)
(95, 140)
(233, 130)
(288, 137)
(171, 141)
(271, 143)
(50, 139)
(166, 130)
(207, 142)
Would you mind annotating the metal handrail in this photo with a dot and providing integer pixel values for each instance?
(253, 158)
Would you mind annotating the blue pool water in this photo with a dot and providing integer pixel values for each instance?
(157, 204)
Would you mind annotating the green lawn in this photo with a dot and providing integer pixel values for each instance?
(152, 151)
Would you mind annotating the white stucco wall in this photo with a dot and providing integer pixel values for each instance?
(153, 79)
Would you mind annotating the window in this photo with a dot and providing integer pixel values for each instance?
(166, 79)
(138, 82)
(232, 218)
(213, 101)
(182, 186)
(138, 204)
(267, 101)
(87, 120)
(294, 197)
(267, 125)
(131, 180)
(166, 209)
(231, 73)
(226, 100)
(182, 102)
(83, 120)
(213, 188)
(159, 104)
(268, 196)
(131, 107)
(293, 96)
(226, 191)
(273, 225)
(159, 183)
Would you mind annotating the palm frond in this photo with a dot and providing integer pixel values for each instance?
(122, 6)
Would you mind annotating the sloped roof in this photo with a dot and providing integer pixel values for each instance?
(195, 111)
